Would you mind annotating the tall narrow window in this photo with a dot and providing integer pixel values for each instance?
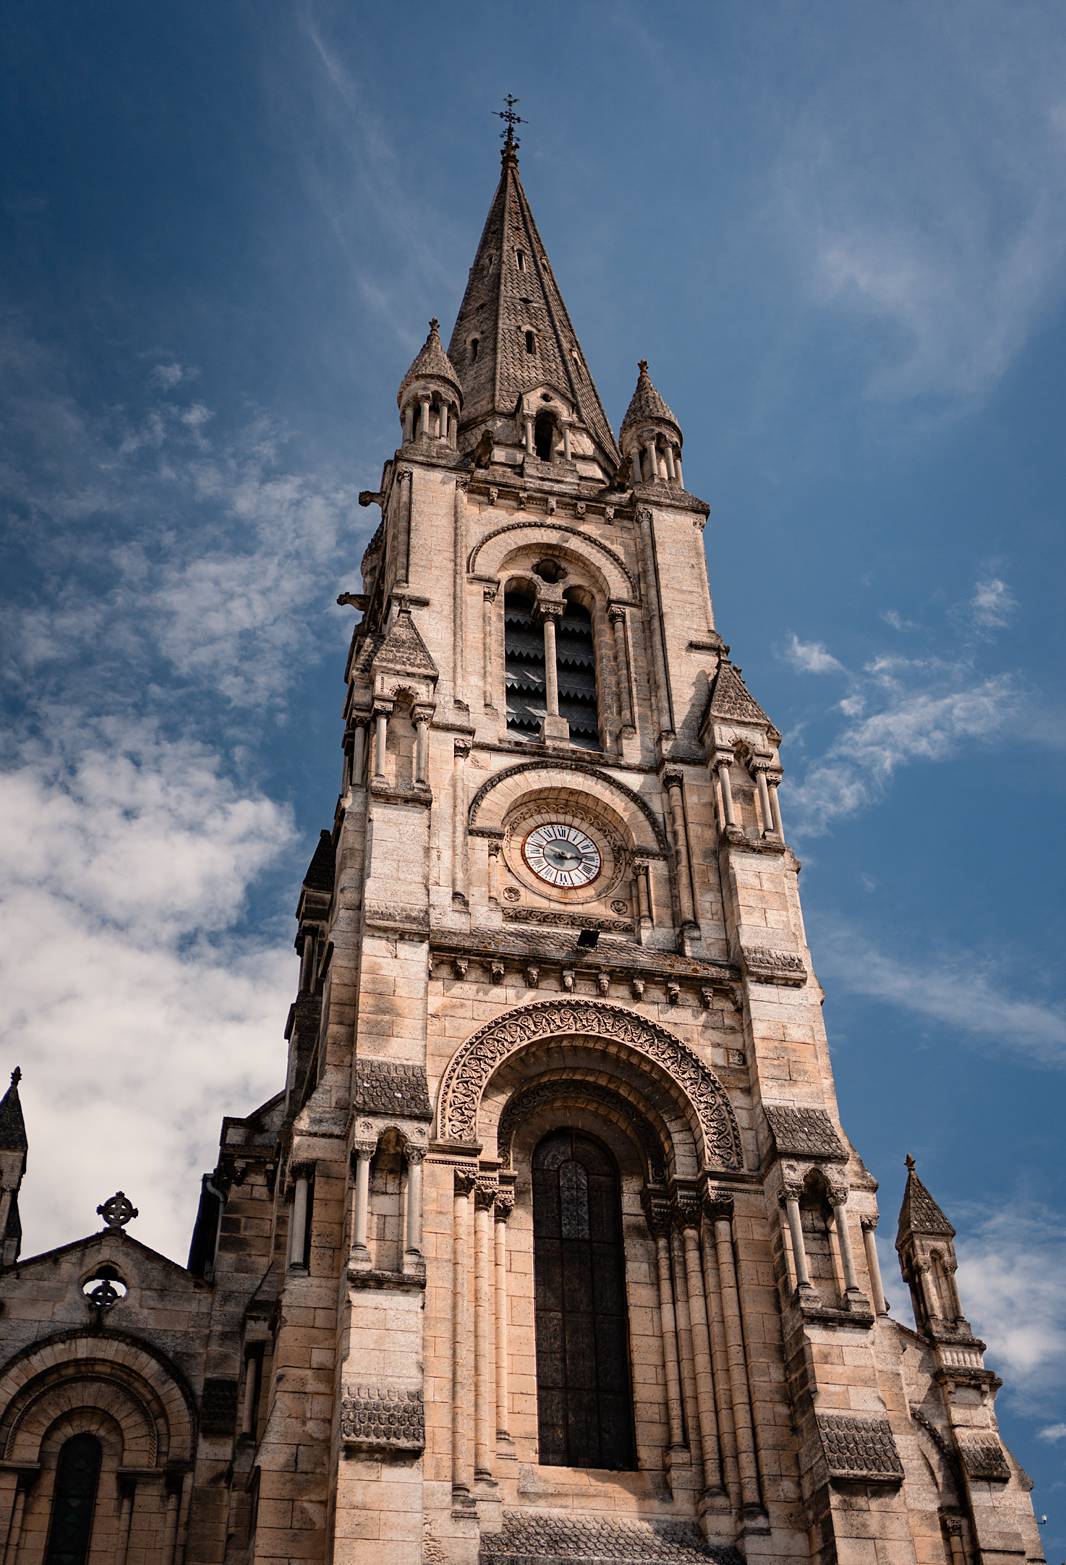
(524, 658)
(583, 1396)
(576, 657)
(531, 342)
(74, 1501)
(544, 436)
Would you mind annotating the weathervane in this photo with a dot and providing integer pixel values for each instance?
(510, 141)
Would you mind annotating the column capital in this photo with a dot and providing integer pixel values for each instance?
(414, 1155)
(673, 778)
(869, 1222)
(504, 1205)
(486, 1189)
(723, 758)
(718, 1204)
(382, 706)
(616, 613)
(551, 608)
(658, 1212)
(687, 1209)
(421, 714)
(465, 1181)
(490, 591)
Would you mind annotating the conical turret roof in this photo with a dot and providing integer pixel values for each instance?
(919, 1213)
(512, 291)
(646, 403)
(431, 363)
(12, 1124)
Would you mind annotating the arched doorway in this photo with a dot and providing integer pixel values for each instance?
(584, 1404)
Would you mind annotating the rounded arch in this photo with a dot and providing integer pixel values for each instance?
(488, 556)
(121, 1375)
(565, 1087)
(490, 804)
(600, 1026)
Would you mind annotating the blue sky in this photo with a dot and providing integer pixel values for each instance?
(837, 231)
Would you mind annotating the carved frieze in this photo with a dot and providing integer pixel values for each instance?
(390, 1087)
(861, 1450)
(804, 1132)
(383, 1418)
(767, 966)
(476, 1059)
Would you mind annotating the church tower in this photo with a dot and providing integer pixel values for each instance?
(552, 1247)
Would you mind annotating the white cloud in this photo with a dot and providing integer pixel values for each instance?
(811, 657)
(956, 991)
(896, 620)
(992, 604)
(166, 376)
(1052, 1432)
(913, 724)
(1012, 1280)
(137, 1016)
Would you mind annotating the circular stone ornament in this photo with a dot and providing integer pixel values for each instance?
(562, 856)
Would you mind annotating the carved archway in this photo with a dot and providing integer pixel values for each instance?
(564, 1086)
(474, 1062)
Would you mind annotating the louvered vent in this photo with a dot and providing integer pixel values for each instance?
(523, 642)
(576, 659)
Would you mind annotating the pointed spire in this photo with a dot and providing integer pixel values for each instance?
(646, 405)
(12, 1124)
(430, 363)
(513, 333)
(919, 1213)
(321, 870)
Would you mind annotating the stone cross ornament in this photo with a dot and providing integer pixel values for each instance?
(117, 1211)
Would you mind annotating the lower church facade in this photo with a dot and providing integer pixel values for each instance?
(551, 1245)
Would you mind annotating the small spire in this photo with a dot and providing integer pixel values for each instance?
(16, 1075)
(919, 1213)
(911, 1164)
(12, 1124)
(431, 363)
(646, 403)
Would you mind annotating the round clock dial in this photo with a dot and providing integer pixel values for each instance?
(561, 855)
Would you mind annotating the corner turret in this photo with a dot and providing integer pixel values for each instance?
(430, 397)
(650, 436)
(925, 1241)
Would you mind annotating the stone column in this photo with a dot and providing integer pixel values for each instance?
(127, 1496)
(759, 769)
(773, 780)
(684, 1347)
(527, 425)
(460, 751)
(723, 760)
(678, 468)
(409, 423)
(617, 617)
(298, 1219)
(461, 1366)
(953, 1528)
(566, 443)
(484, 1344)
(413, 1241)
(839, 1200)
(658, 1215)
(679, 825)
(671, 471)
(489, 672)
(364, 1151)
(501, 1212)
(251, 1393)
(635, 465)
(651, 459)
(358, 762)
(641, 877)
(421, 716)
(687, 1217)
(550, 612)
(494, 848)
(425, 426)
(873, 1264)
(381, 729)
(720, 1212)
(795, 1228)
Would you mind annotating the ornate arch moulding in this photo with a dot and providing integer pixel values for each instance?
(581, 769)
(476, 1060)
(619, 580)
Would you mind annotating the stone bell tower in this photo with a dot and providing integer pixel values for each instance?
(573, 1256)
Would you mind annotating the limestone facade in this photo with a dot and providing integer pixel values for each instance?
(358, 1365)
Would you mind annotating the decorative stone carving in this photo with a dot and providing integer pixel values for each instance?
(687, 1209)
(497, 972)
(766, 966)
(603, 984)
(475, 1060)
(802, 1132)
(397, 916)
(540, 1535)
(117, 1211)
(391, 1088)
(861, 1450)
(540, 915)
(533, 977)
(983, 1458)
(526, 1101)
(673, 993)
(582, 768)
(383, 1418)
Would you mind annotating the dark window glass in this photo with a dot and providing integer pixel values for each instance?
(73, 1501)
(524, 657)
(544, 435)
(576, 660)
(583, 1397)
(531, 342)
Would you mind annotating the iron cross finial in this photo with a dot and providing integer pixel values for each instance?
(511, 119)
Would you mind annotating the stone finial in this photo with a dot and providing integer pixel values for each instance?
(117, 1211)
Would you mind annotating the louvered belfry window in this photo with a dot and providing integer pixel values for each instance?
(576, 658)
(73, 1501)
(523, 641)
(584, 1407)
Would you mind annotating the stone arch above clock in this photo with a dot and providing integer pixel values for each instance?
(496, 799)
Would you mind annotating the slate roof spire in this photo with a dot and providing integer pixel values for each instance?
(513, 332)
(430, 363)
(646, 405)
(919, 1213)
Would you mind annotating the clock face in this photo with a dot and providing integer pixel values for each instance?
(561, 855)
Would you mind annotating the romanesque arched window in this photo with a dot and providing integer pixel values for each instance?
(584, 1405)
(524, 657)
(576, 656)
(74, 1501)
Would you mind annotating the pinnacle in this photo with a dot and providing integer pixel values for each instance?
(431, 363)
(646, 402)
(919, 1213)
(12, 1123)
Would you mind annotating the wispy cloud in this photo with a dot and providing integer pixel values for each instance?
(133, 1009)
(992, 604)
(956, 990)
(1052, 1432)
(896, 620)
(166, 376)
(811, 657)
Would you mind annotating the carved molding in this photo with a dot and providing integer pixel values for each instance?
(766, 966)
(861, 1450)
(528, 1100)
(583, 768)
(536, 524)
(475, 1061)
(383, 1418)
(550, 916)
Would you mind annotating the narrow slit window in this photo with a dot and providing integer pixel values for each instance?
(520, 260)
(576, 658)
(523, 642)
(531, 342)
(74, 1501)
(475, 344)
